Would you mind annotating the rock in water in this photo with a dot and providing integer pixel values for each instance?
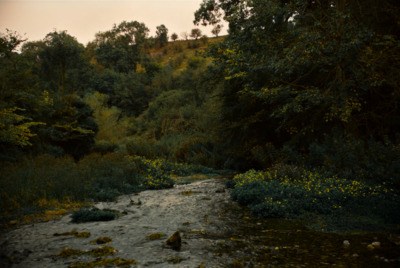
(175, 241)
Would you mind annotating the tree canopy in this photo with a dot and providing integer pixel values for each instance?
(296, 71)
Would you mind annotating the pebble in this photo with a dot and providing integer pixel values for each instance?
(346, 243)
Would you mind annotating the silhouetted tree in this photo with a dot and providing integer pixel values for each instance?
(174, 37)
(196, 33)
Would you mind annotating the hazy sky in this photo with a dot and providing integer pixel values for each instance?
(83, 18)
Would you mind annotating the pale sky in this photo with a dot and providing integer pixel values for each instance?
(33, 19)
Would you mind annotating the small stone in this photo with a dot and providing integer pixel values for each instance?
(175, 241)
(370, 247)
(355, 255)
(346, 243)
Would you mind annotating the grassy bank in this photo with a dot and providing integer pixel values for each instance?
(333, 203)
(49, 186)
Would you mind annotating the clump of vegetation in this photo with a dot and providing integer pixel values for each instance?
(156, 236)
(101, 240)
(101, 262)
(93, 214)
(187, 193)
(75, 233)
(160, 173)
(175, 260)
(83, 235)
(96, 252)
(274, 194)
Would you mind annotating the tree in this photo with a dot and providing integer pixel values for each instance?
(38, 104)
(174, 37)
(122, 47)
(162, 35)
(196, 33)
(216, 30)
(9, 43)
(60, 54)
(185, 35)
(297, 71)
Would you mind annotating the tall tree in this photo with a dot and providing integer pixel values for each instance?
(162, 35)
(216, 30)
(122, 47)
(195, 33)
(174, 37)
(60, 55)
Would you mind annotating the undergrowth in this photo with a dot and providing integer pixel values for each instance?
(93, 214)
(47, 186)
(298, 193)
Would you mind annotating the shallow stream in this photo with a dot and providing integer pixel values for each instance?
(215, 232)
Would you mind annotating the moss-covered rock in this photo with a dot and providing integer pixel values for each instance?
(175, 241)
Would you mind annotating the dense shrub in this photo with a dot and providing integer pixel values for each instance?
(93, 214)
(251, 193)
(295, 192)
(355, 158)
(36, 184)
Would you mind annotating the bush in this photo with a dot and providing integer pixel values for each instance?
(36, 183)
(250, 193)
(94, 214)
(295, 192)
(353, 158)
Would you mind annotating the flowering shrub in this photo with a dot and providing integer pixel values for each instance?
(274, 194)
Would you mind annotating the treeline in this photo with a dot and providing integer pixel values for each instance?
(124, 91)
(307, 83)
(311, 83)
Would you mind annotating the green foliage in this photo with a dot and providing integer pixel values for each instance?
(93, 214)
(61, 63)
(250, 194)
(306, 70)
(13, 129)
(162, 35)
(159, 173)
(121, 48)
(353, 158)
(291, 192)
(130, 94)
(95, 177)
